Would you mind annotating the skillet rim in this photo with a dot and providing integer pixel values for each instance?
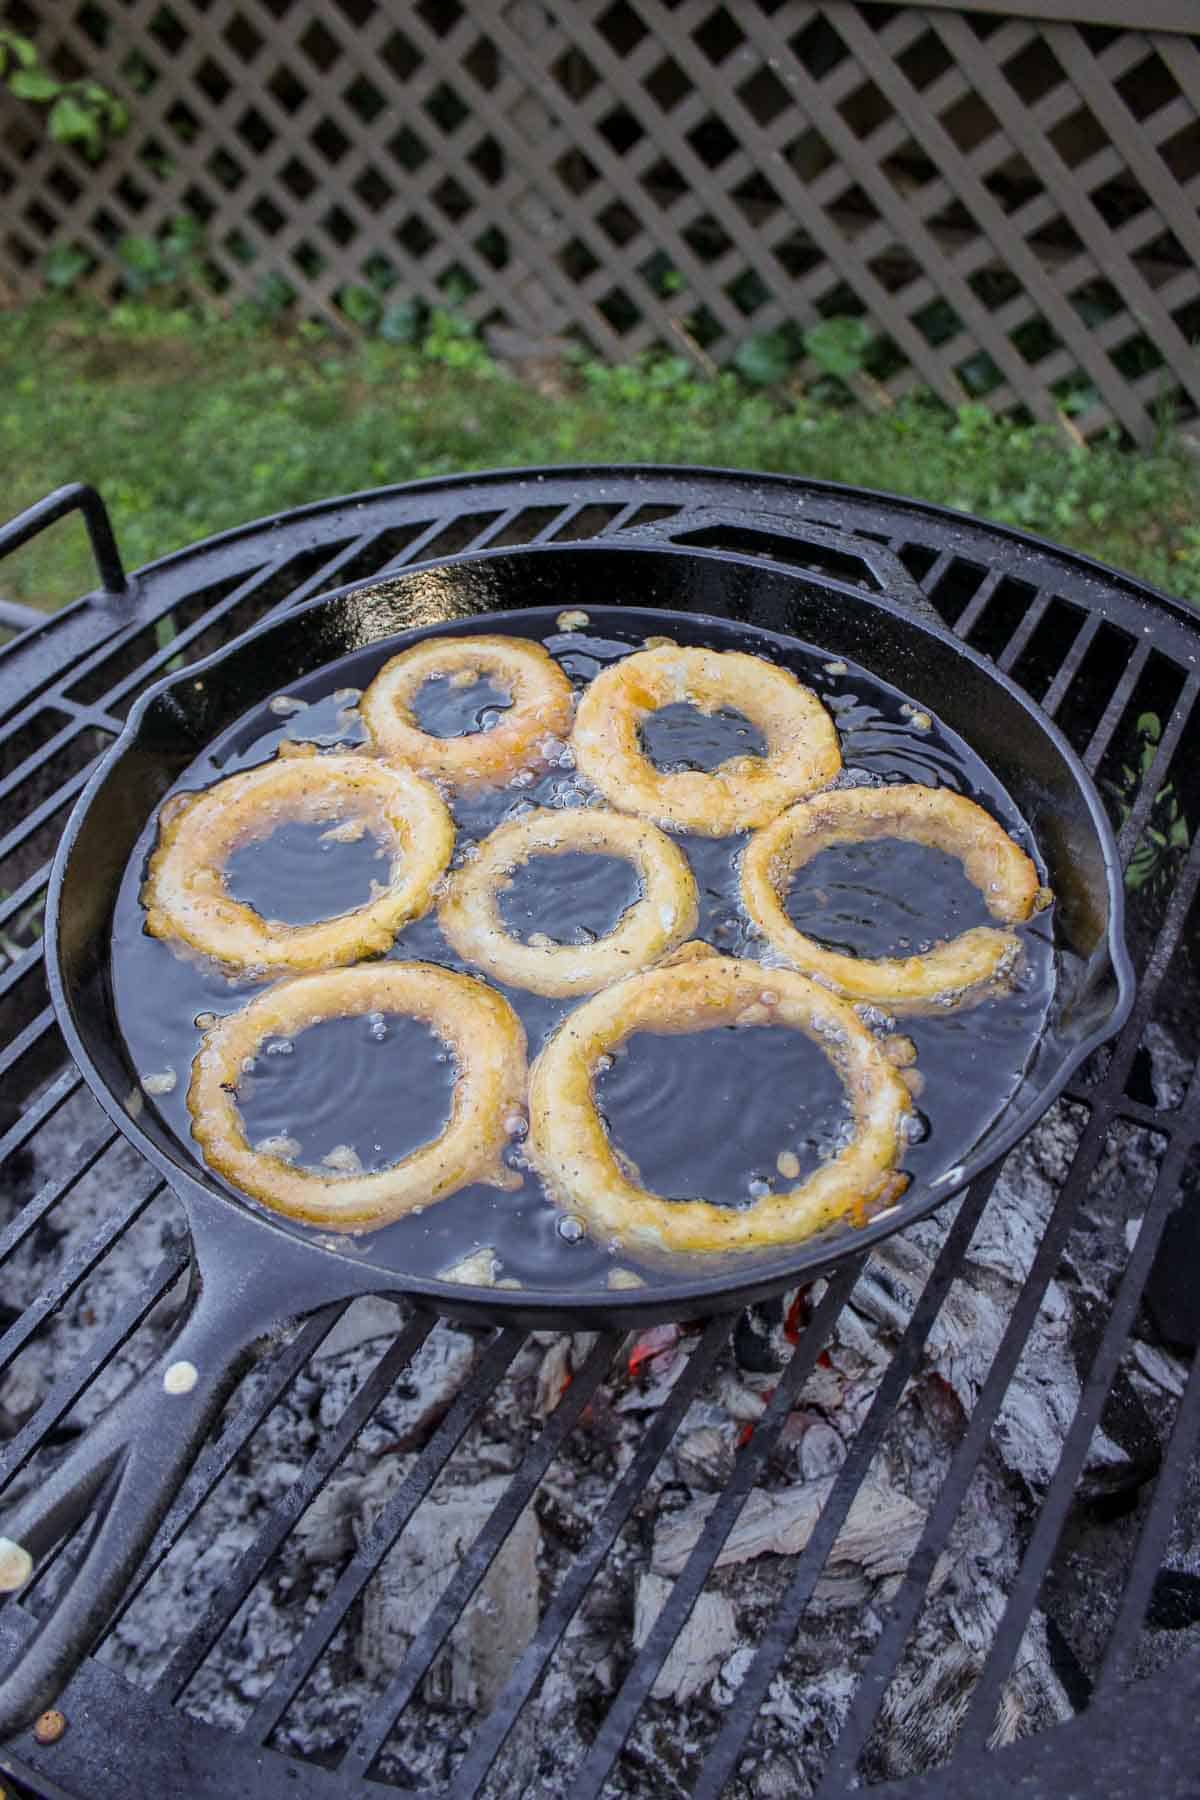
(698, 1295)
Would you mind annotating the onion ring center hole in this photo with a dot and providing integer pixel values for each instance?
(885, 897)
(573, 897)
(727, 1114)
(303, 872)
(445, 706)
(680, 737)
(379, 1085)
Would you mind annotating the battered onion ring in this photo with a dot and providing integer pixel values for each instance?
(572, 1152)
(802, 745)
(542, 700)
(936, 817)
(185, 891)
(476, 1023)
(664, 915)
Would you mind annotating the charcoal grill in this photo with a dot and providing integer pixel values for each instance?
(1115, 664)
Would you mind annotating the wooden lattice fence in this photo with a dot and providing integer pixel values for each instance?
(1012, 204)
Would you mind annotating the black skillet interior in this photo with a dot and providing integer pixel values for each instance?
(1031, 760)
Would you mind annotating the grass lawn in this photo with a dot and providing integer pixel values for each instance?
(188, 426)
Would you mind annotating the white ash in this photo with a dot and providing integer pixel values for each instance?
(708, 1638)
(496, 1626)
(1159, 1369)
(881, 1531)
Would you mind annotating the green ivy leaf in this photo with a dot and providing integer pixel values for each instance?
(274, 295)
(1141, 867)
(402, 322)
(765, 359)
(140, 253)
(35, 84)
(360, 305)
(840, 345)
(71, 122)
(64, 266)
(22, 50)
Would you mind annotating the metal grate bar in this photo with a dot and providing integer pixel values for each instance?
(1111, 717)
(907, 1602)
(51, 1192)
(224, 1603)
(1034, 614)
(485, 1376)
(128, 634)
(492, 1735)
(100, 1352)
(383, 1715)
(496, 528)
(324, 577)
(38, 758)
(411, 552)
(24, 894)
(974, 609)
(1023, 1595)
(56, 802)
(166, 653)
(20, 967)
(773, 1646)
(275, 1376)
(86, 714)
(22, 1044)
(1147, 1561)
(73, 1269)
(1071, 664)
(1134, 1112)
(629, 512)
(1134, 825)
(935, 572)
(618, 1722)
(36, 1115)
(552, 527)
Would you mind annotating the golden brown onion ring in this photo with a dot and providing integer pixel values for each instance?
(936, 817)
(572, 1152)
(660, 919)
(477, 1024)
(542, 702)
(802, 745)
(186, 895)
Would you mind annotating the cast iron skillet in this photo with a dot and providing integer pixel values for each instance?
(252, 1274)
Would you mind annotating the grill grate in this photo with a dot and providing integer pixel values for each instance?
(1117, 666)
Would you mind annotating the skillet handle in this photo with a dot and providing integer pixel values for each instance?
(782, 537)
(128, 1468)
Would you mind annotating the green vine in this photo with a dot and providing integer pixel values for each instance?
(80, 112)
(1167, 835)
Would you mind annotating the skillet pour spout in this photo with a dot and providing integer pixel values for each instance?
(252, 1273)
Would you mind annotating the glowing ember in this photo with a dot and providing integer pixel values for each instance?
(797, 1316)
(649, 1345)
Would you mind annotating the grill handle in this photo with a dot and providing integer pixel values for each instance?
(76, 497)
(128, 1467)
(784, 538)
